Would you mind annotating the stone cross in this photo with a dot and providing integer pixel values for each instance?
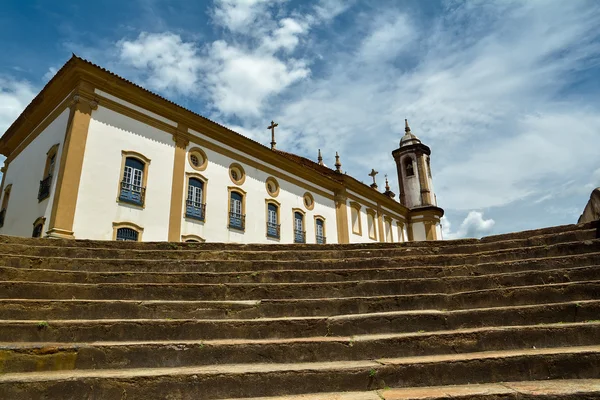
(372, 175)
(272, 128)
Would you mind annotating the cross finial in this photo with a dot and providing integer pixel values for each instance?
(338, 164)
(372, 175)
(272, 128)
(387, 185)
(320, 158)
(406, 127)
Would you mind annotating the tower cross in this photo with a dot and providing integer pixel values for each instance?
(272, 128)
(372, 175)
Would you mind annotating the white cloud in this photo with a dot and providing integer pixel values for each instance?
(166, 62)
(15, 95)
(473, 226)
(240, 15)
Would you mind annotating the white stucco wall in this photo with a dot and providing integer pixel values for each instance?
(97, 208)
(411, 187)
(418, 229)
(25, 173)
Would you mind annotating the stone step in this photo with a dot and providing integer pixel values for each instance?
(539, 236)
(31, 357)
(587, 252)
(258, 291)
(461, 252)
(83, 330)
(125, 309)
(557, 389)
(285, 276)
(252, 380)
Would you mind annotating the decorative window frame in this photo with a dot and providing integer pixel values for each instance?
(200, 152)
(308, 195)
(243, 193)
(273, 181)
(6, 196)
(131, 225)
(373, 214)
(195, 238)
(388, 220)
(124, 155)
(357, 207)
(242, 172)
(38, 221)
(278, 204)
(301, 211)
(53, 151)
(204, 180)
(322, 218)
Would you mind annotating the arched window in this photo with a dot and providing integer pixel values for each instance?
(320, 230)
(46, 182)
(429, 167)
(371, 224)
(127, 234)
(236, 210)
(191, 238)
(132, 185)
(408, 166)
(355, 217)
(38, 227)
(299, 233)
(273, 226)
(5, 204)
(195, 206)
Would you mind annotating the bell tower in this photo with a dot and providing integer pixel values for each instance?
(416, 187)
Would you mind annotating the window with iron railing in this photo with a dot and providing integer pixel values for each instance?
(195, 210)
(237, 221)
(273, 230)
(321, 239)
(44, 190)
(127, 234)
(131, 193)
(132, 190)
(320, 231)
(299, 236)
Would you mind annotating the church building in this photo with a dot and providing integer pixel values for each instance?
(95, 156)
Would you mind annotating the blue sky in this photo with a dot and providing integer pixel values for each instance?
(506, 93)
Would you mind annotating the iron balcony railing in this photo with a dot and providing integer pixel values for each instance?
(44, 190)
(131, 193)
(273, 230)
(321, 239)
(299, 236)
(195, 210)
(237, 221)
(2, 215)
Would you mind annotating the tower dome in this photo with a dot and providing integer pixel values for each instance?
(409, 138)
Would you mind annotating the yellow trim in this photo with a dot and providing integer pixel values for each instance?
(373, 214)
(423, 181)
(278, 204)
(356, 207)
(202, 154)
(380, 225)
(388, 220)
(131, 225)
(177, 183)
(243, 193)
(275, 183)
(185, 238)
(341, 217)
(322, 218)
(309, 196)
(38, 221)
(241, 179)
(204, 180)
(133, 154)
(69, 173)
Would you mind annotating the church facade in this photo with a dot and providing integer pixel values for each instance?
(95, 156)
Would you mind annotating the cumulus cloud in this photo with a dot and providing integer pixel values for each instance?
(473, 226)
(15, 95)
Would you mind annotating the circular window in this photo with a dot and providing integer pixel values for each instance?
(237, 174)
(272, 186)
(197, 159)
(309, 201)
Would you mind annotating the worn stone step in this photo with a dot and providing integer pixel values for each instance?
(42, 309)
(544, 235)
(460, 252)
(258, 291)
(556, 389)
(589, 255)
(82, 330)
(290, 276)
(31, 357)
(252, 380)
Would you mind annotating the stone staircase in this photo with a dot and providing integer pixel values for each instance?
(506, 317)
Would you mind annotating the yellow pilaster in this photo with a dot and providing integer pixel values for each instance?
(380, 225)
(423, 181)
(341, 218)
(176, 211)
